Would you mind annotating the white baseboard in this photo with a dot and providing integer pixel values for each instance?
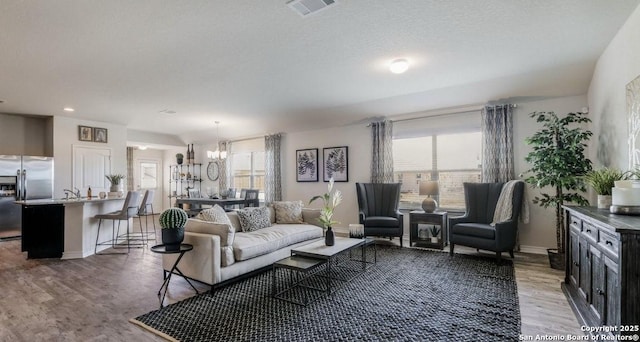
(72, 255)
(533, 249)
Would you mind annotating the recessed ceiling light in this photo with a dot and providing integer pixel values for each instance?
(69, 109)
(167, 111)
(398, 66)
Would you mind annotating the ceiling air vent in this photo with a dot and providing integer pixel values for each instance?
(306, 7)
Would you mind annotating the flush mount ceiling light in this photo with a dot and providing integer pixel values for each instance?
(68, 109)
(398, 66)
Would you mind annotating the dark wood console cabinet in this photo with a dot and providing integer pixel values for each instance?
(602, 276)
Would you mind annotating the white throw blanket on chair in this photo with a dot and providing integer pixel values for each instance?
(504, 207)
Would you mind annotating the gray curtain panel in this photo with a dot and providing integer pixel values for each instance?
(222, 167)
(129, 168)
(382, 154)
(272, 179)
(497, 150)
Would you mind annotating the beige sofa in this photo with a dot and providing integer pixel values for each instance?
(222, 252)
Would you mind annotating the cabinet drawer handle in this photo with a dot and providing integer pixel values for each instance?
(588, 230)
(609, 243)
(600, 292)
(575, 263)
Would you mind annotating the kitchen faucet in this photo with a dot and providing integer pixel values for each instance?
(67, 192)
(78, 194)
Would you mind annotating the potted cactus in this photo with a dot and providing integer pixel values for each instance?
(172, 222)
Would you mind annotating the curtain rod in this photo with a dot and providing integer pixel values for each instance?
(472, 109)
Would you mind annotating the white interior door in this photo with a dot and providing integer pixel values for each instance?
(147, 175)
(90, 166)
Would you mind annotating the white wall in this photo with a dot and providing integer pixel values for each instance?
(535, 236)
(65, 136)
(357, 138)
(618, 65)
(540, 232)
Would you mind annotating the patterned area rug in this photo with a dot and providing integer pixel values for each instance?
(409, 295)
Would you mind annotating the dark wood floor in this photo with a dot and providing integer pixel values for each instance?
(92, 299)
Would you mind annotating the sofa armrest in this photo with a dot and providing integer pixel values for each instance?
(203, 262)
(225, 231)
(458, 219)
(506, 232)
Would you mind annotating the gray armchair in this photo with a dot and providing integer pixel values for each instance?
(473, 229)
(379, 212)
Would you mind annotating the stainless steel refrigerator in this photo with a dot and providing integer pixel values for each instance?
(22, 178)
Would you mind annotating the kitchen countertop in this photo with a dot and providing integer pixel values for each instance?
(67, 201)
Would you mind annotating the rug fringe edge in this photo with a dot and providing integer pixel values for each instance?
(153, 330)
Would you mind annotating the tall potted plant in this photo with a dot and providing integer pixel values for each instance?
(558, 163)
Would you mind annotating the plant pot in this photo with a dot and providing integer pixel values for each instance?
(172, 238)
(604, 201)
(114, 188)
(556, 260)
(434, 240)
(329, 238)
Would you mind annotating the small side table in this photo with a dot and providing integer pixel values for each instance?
(438, 218)
(162, 249)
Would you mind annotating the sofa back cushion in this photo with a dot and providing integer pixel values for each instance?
(226, 232)
(252, 219)
(288, 212)
(215, 214)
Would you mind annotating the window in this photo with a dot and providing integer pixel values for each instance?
(247, 165)
(447, 149)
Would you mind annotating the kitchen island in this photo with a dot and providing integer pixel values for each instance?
(64, 228)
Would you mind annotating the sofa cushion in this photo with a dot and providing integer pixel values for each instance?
(480, 230)
(260, 242)
(252, 219)
(215, 214)
(225, 231)
(288, 212)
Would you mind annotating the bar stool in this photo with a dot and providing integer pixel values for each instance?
(146, 210)
(129, 210)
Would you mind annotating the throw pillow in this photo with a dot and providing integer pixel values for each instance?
(288, 212)
(252, 219)
(215, 214)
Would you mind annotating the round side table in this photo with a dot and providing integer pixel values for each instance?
(162, 249)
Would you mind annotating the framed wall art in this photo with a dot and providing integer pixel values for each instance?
(100, 135)
(85, 133)
(307, 165)
(633, 108)
(336, 163)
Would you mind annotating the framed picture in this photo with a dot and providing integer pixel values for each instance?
(307, 165)
(336, 163)
(85, 133)
(100, 135)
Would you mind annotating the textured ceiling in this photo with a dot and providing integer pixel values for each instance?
(258, 67)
